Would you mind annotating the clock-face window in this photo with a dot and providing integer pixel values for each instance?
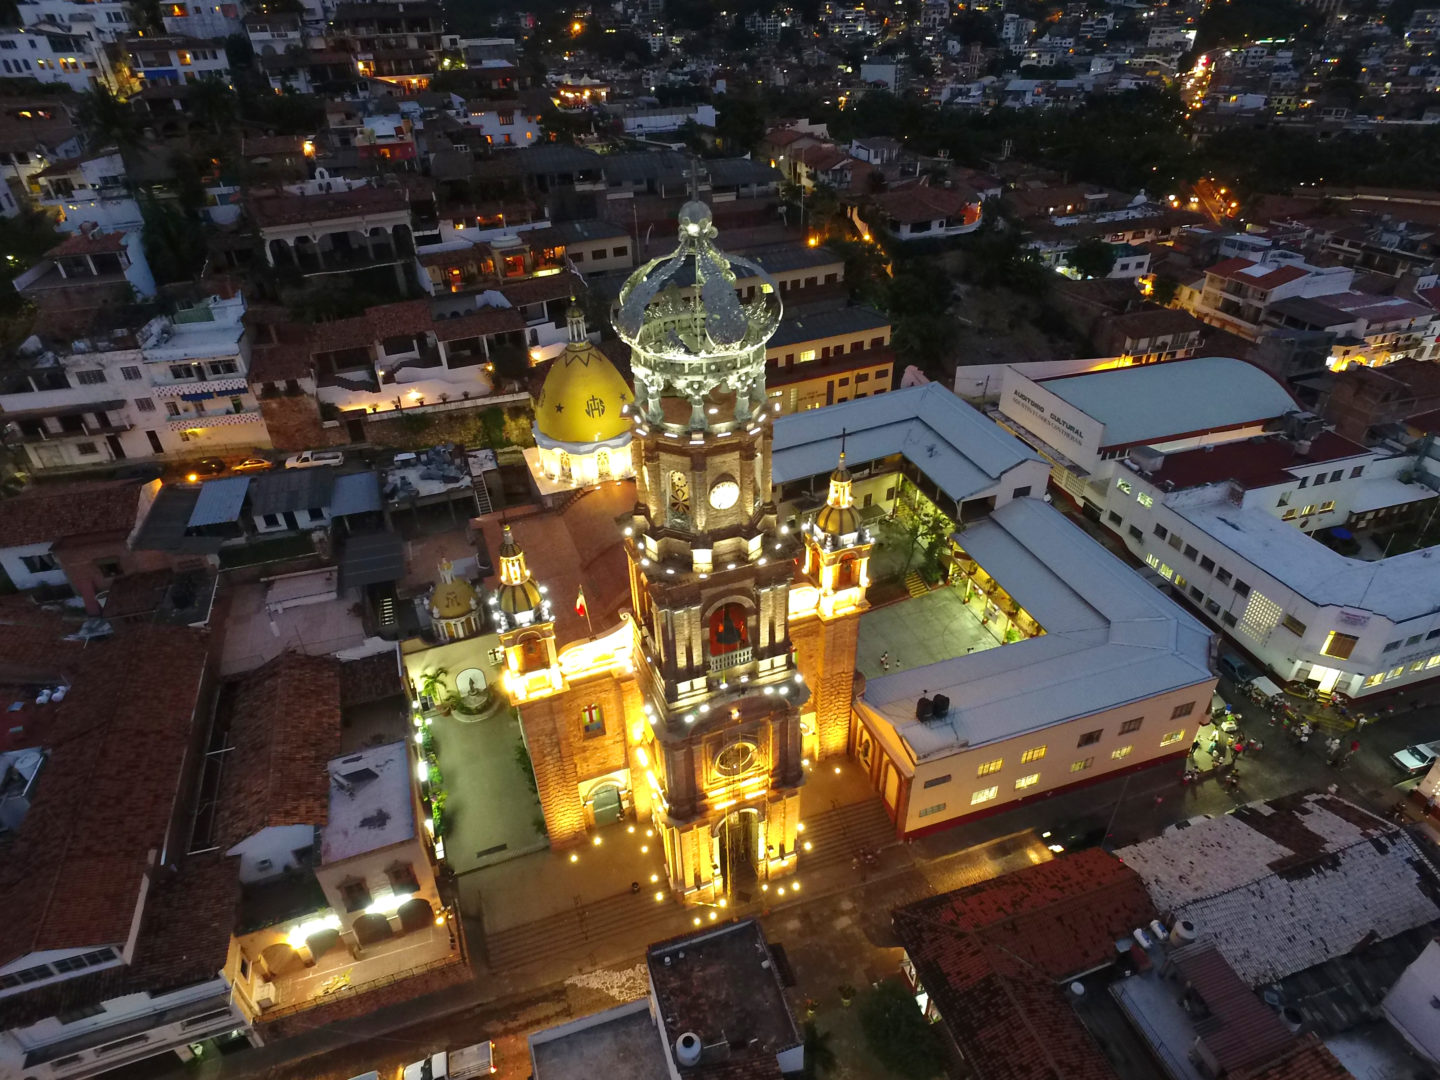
(735, 759)
(679, 494)
(725, 494)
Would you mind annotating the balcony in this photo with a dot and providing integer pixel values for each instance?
(734, 659)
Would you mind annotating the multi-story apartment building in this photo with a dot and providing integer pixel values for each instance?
(1238, 292)
(48, 54)
(98, 20)
(329, 226)
(398, 43)
(192, 19)
(1212, 476)
(828, 357)
(87, 190)
(500, 123)
(1369, 330)
(33, 133)
(174, 61)
(175, 385)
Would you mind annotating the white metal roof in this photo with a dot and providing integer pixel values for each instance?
(961, 451)
(1401, 587)
(1159, 401)
(1110, 639)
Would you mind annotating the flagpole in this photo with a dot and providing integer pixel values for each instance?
(588, 623)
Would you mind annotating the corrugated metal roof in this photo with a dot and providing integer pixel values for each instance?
(289, 490)
(355, 493)
(220, 501)
(372, 559)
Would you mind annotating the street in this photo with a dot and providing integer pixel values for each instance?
(834, 932)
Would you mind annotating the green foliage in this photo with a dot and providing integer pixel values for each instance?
(174, 240)
(432, 683)
(107, 121)
(330, 298)
(24, 239)
(898, 1034)
(522, 762)
(820, 1057)
(1164, 290)
(1237, 21)
(1092, 257)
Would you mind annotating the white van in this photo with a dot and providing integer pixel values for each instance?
(310, 459)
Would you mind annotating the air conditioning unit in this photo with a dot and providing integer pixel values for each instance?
(265, 995)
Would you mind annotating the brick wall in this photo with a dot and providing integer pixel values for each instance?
(564, 756)
(293, 422)
(825, 652)
(363, 1002)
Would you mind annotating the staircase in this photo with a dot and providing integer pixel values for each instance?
(915, 584)
(482, 496)
(837, 836)
(385, 611)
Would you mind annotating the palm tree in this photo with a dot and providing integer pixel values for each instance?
(432, 683)
(212, 103)
(108, 121)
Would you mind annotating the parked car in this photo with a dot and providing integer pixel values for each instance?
(252, 464)
(1236, 669)
(1417, 758)
(468, 1061)
(310, 459)
(210, 466)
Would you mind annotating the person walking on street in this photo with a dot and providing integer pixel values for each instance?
(885, 661)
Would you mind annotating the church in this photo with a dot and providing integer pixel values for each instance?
(730, 667)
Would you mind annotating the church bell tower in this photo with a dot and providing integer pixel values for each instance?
(710, 571)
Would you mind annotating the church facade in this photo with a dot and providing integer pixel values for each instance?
(735, 663)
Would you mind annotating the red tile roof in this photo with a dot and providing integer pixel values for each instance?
(1232, 270)
(372, 678)
(482, 323)
(51, 514)
(284, 728)
(1252, 463)
(785, 136)
(991, 955)
(277, 210)
(925, 203)
(91, 243)
(1310, 1060)
(104, 805)
(537, 289)
(408, 318)
(1239, 1029)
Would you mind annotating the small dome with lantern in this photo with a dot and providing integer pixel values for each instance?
(838, 518)
(454, 606)
(518, 601)
(582, 423)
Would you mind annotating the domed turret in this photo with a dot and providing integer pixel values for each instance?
(454, 606)
(519, 599)
(838, 517)
(583, 399)
(690, 332)
(582, 419)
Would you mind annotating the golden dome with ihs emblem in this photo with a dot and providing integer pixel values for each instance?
(583, 399)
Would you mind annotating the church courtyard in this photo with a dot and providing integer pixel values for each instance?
(919, 630)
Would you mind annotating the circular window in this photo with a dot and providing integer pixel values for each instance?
(735, 759)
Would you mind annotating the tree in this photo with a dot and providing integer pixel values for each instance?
(819, 1054)
(174, 240)
(1164, 290)
(107, 121)
(1091, 258)
(898, 1034)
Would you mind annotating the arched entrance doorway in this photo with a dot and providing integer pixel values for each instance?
(370, 929)
(416, 914)
(280, 959)
(605, 804)
(740, 850)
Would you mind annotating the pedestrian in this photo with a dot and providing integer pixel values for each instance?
(1354, 745)
(1237, 750)
(1159, 799)
(885, 661)
(1194, 746)
(1360, 722)
(1214, 748)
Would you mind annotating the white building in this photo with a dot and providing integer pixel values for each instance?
(88, 190)
(174, 61)
(1238, 292)
(192, 19)
(175, 386)
(1210, 475)
(501, 123)
(658, 119)
(99, 20)
(50, 55)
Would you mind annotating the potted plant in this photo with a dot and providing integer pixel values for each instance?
(847, 994)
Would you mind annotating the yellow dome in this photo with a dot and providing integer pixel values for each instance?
(583, 398)
(453, 600)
